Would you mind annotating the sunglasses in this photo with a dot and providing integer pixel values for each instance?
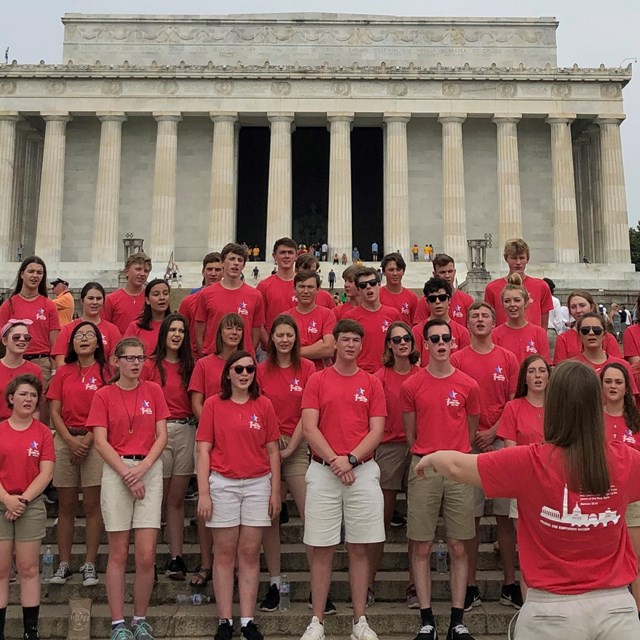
(132, 359)
(445, 337)
(89, 335)
(597, 331)
(399, 339)
(16, 337)
(439, 297)
(250, 368)
(368, 283)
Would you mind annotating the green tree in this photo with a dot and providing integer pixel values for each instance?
(634, 242)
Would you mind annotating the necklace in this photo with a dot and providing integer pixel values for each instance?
(35, 295)
(85, 371)
(130, 417)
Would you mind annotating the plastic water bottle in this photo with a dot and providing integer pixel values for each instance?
(285, 594)
(441, 557)
(195, 599)
(47, 565)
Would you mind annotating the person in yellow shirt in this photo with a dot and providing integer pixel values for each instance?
(65, 304)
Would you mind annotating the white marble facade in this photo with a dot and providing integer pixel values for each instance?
(137, 133)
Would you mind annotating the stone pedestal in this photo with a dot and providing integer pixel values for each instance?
(8, 122)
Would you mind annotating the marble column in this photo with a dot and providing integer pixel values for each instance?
(454, 217)
(17, 206)
(279, 199)
(396, 185)
(340, 238)
(8, 120)
(614, 198)
(222, 219)
(593, 133)
(49, 229)
(163, 212)
(509, 203)
(105, 225)
(32, 176)
(565, 215)
(581, 167)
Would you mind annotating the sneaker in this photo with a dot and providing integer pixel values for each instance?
(472, 597)
(511, 595)
(412, 597)
(398, 520)
(142, 631)
(176, 569)
(225, 630)
(315, 630)
(329, 607)
(284, 513)
(427, 632)
(32, 634)
(13, 574)
(89, 575)
(362, 631)
(271, 600)
(371, 597)
(459, 632)
(251, 631)
(62, 574)
(50, 494)
(121, 633)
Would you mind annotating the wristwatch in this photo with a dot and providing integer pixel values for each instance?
(24, 501)
(353, 461)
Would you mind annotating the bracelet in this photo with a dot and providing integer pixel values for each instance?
(24, 501)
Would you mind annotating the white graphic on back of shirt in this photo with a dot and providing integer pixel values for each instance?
(578, 519)
(359, 395)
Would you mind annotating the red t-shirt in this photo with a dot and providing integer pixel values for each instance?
(325, 299)
(459, 340)
(41, 311)
(375, 325)
(7, 375)
(522, 422)
(284, 387)
(442, 406)
(21, 453)
(405, 302)
(314, 326)
(616, 430)
(177, 397)
(109, 333)
(120, 412)
(496, 373)
(524, 342)
(568, 346)
(239, 433)
(75, 389)
(207, 376)
(392, 381)
(345, 404)
(188, 308)
(148, 338)
(215, 301)
(122, 309)
(598, 368)
(540, 300)
(568, 543)
(630, 340)
(458, 307)
(278, 296)
(342, 311)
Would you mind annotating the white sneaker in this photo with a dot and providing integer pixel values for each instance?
(315, 630)
(362, 631)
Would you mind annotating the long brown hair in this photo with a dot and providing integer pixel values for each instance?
(522, 388)
(228, 320)
(388, 359)
(574, 422)
(225, 384)
(629, 410)
(272, 352)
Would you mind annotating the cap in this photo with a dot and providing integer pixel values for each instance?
(58, 281)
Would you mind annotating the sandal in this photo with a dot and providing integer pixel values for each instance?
(200, 577)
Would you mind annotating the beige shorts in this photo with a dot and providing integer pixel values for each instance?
(67, 474)
(633, 514)
(394, 459)
(328, 499)
(298, 462)
(31, 525)
(501, 506)
(121, 511)
(46, 368)
(239, 501)
(513, 509)
(177, 457)
(424, 498)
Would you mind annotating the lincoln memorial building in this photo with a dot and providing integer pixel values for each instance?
(192, 131)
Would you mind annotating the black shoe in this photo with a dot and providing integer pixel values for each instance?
(329, 607)
(459, 632)
(472, 597)
(398, 520)
(32, 634)
(251, 632)
(271, 600)
(511, 595)
(284, 514)
(176, 569)
(50, 495)
(225, 630)
(427, 632)
(155, 573)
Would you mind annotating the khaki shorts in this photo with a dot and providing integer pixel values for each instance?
(513, 509)
(501, 506)
(46, 368)
(424, 498)
(633, 514)
(66, 474)
(239, 501)
(328, 499)
(120, 510)
(31, 525)
(177, 457)
(298, 462)
(394, 459)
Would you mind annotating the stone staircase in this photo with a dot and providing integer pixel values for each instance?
(389, 616)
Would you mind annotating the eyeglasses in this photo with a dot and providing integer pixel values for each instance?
(399, 339)
(445, 337)
(16, 337)
(368, 283)
(132, 359)
(89, 335)
(250, 368)
(440, 297)
(597, 331)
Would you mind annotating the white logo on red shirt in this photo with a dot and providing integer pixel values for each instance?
(457, 311)
(531, 347)
(41, 314)
(313, 327)
(629, 437)
(452, 399)
(254, 423)
(33, 451)
(105, 342)
(405, 309)
(91, 385)
(577, 519)
(242, 309)
(294, 298)
(385, 325)
(145, 408)
(498, 376)
(295, 385)
(359, 395)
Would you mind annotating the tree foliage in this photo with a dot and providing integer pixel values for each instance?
(634, 242)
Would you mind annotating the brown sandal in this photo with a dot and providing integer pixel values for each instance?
(200, 577)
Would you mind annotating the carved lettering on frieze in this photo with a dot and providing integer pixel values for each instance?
(281, 88)
(397, 89)
(610, 90)
(223, 87)
(168, 87)
(112, 87)
(56, 87)
(341, 88)
(451, 89)
(507, 89)
(561, 90)
(7, 87)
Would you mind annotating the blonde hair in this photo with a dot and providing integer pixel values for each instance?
(515, 247)
(514, 283)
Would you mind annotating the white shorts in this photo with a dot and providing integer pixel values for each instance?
(239, 501)
(327, 499)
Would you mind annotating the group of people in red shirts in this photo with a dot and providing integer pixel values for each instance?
(350, 405)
